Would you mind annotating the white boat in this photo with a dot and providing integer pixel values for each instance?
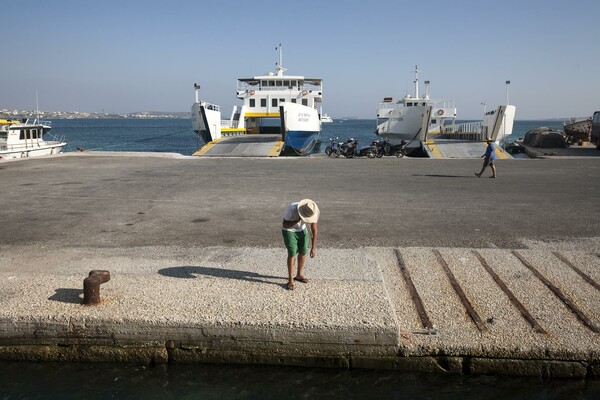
(325, 118)
(25, 138)
(272, 104)
(409, 120)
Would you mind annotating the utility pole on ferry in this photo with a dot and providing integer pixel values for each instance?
(416, 81)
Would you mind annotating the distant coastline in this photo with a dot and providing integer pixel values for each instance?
(14, 114)
(10, 114)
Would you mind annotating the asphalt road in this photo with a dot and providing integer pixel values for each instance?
(130, 201)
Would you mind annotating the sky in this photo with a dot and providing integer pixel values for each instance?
(128, 56)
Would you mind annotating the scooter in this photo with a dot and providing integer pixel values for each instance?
(348, 148)
(333, 148)
(398, 150)
(377, 149)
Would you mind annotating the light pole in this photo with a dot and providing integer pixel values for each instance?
(507, 85)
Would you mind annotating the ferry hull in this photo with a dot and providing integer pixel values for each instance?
(406, 125)
(206, 121)
(300, 128)
(498, 124)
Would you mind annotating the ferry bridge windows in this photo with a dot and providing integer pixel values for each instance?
(273, 102)
(281, 101)
(293, 100)
(252, 103)
(305, 102)
(263, 103)
(278, 83)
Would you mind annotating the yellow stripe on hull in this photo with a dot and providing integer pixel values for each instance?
(261, 115)
(230, 130)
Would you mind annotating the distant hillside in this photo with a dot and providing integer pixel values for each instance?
(6, 113)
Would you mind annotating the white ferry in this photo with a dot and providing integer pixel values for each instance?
(274, 103)
(409, 120)
(24, 138)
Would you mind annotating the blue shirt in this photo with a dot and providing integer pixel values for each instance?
(490, 154)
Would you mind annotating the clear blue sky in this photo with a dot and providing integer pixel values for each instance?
(125, 56)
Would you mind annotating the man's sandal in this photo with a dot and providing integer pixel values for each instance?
(290, 286)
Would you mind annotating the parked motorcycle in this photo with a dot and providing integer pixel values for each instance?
(398, 150)
(377, 148)
(333, 148)
(348, 148)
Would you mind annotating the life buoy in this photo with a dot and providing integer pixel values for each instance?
(304, 92)
(251, 92)
(440, 112)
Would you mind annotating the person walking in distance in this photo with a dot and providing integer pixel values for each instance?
(489, 157)
(296, 237)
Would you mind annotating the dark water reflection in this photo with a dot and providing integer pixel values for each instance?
(107, 381)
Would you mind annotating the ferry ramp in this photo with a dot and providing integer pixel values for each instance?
(453, 148)
(263, 145)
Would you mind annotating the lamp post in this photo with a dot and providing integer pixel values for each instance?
(507, 85)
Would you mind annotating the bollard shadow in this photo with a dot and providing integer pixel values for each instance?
(71, 296)
(192, 272)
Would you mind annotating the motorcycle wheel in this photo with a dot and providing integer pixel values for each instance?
(328, 151)
(336, 153)
(370, 154)
(379, 154)
(400, 154)
(349, 155)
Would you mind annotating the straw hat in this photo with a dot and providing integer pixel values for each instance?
(308, 211)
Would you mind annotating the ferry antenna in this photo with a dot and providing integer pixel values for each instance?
(279, 64)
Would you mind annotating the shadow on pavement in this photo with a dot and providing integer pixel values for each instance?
(192, 272)
(72, 296)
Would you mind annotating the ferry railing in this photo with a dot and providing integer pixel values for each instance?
(210, 106)
(465, 131)
(225, 123)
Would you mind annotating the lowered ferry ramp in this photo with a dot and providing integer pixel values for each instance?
(453, 148)
(258, 145)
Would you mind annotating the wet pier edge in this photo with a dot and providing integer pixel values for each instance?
(197, 273)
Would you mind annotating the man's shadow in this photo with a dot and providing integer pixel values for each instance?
(443, 176)
(192, 272)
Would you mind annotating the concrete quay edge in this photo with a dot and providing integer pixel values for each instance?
(130, 326)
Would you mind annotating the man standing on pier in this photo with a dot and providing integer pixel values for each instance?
(296, 237)
(489, 157)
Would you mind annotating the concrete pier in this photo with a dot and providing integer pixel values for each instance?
(420, 265)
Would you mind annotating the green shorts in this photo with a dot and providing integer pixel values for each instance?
(295, 242)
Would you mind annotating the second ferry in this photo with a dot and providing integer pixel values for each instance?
(276, 104)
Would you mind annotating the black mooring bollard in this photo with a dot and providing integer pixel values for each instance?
(91, 286)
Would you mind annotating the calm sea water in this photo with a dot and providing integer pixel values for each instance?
(109, 381)
(176, 135)
(103, 381)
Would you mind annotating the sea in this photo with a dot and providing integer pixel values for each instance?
(31, 380)
(176, 135)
